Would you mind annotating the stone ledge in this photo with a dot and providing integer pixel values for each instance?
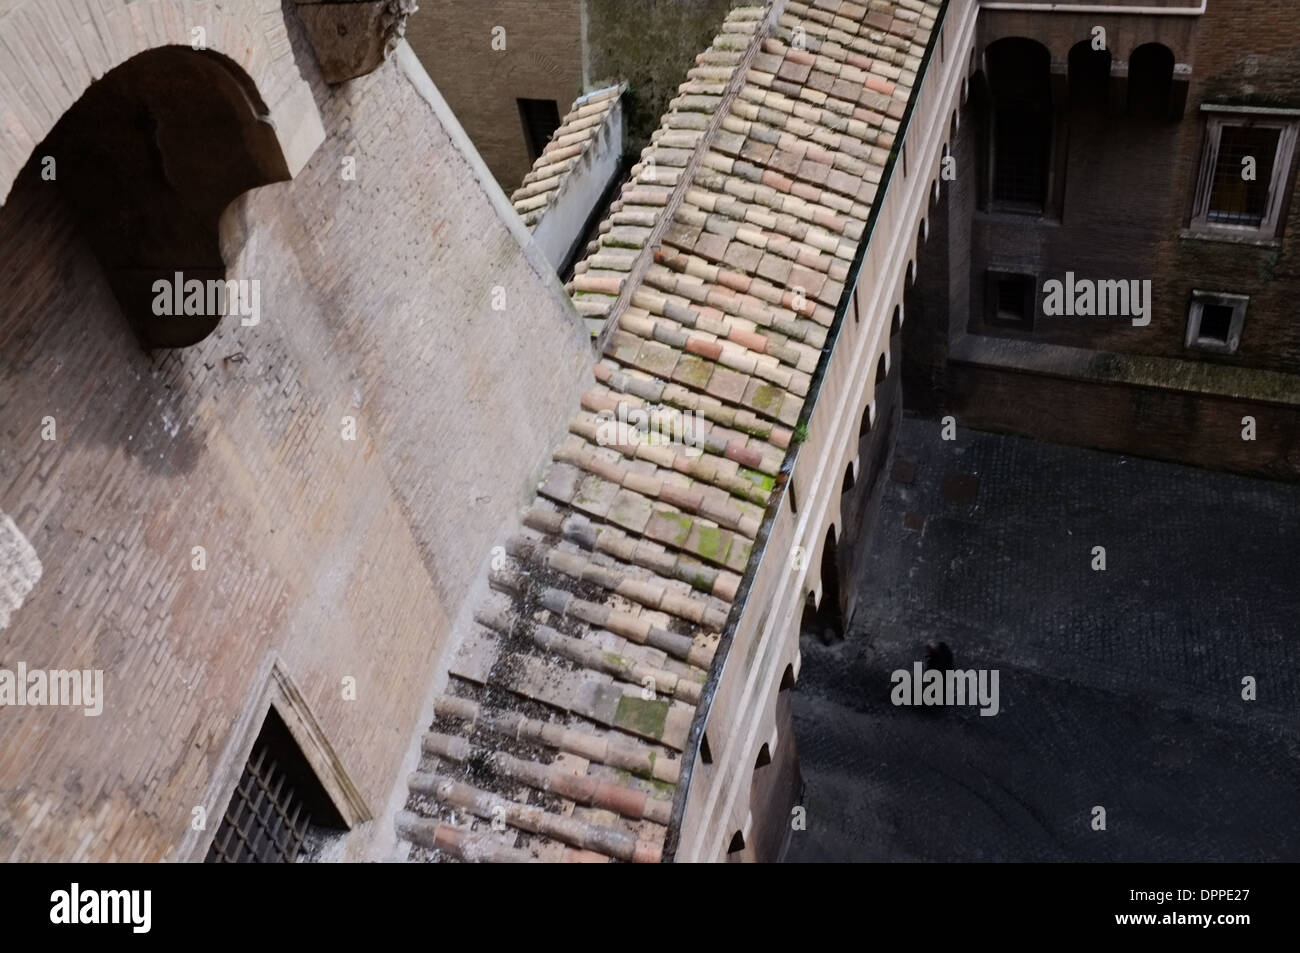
(1164, 373)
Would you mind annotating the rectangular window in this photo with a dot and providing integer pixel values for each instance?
(1215, 321)
(1244, 170)
(541, 117)
(1010, 300)
(1021, 151)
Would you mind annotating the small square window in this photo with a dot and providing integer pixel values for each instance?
(1215, 321)
(1244, 169)
(1010, 300)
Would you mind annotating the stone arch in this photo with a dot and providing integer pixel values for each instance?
(1020, 122)
(787, 678)
(255, 44)
(829, 605)
(154, 140)
(868, 419)
(896, 322)
(882, 368)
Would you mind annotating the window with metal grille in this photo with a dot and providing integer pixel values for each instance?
(1244, 170)
(1021, 124)
(1235, 200)
(1020, 160)
(279, 812)
(541, 117)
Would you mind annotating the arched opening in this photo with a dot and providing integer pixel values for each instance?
(1089, 72)
(1150, 81)
(826, 618)
(147, 160)
(848, 479)
(787, 679)
(896, 322)
(864, 428)
(882, 370)
(737, 843)
(808, 621)
(1020, 124)
(764, 757)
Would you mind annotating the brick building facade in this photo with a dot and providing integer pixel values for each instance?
(1142, 181)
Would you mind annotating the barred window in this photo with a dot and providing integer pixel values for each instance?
(1021, 124)
(279, 812)
(1245, 165)
(1235, 200)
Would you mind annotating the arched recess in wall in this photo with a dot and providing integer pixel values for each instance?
(1089, 77)
(787, 679)
(896, 322)
(824, 617)
(1150, 81)
(1020, 123)
(868, 413)
(147, 160)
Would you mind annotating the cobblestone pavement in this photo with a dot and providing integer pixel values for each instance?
(1120, 689)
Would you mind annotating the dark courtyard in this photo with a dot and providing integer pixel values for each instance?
(1119, 689)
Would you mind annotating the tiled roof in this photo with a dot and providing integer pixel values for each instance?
(626, 566)
(563, 153)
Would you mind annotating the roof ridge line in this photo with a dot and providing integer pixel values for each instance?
(645, 255)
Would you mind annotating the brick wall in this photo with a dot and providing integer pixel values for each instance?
(1129, 185)
(558, 49)
(1127, 195)
(341, 559)
(542, 59)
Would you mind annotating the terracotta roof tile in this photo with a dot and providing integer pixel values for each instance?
(722, 274)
